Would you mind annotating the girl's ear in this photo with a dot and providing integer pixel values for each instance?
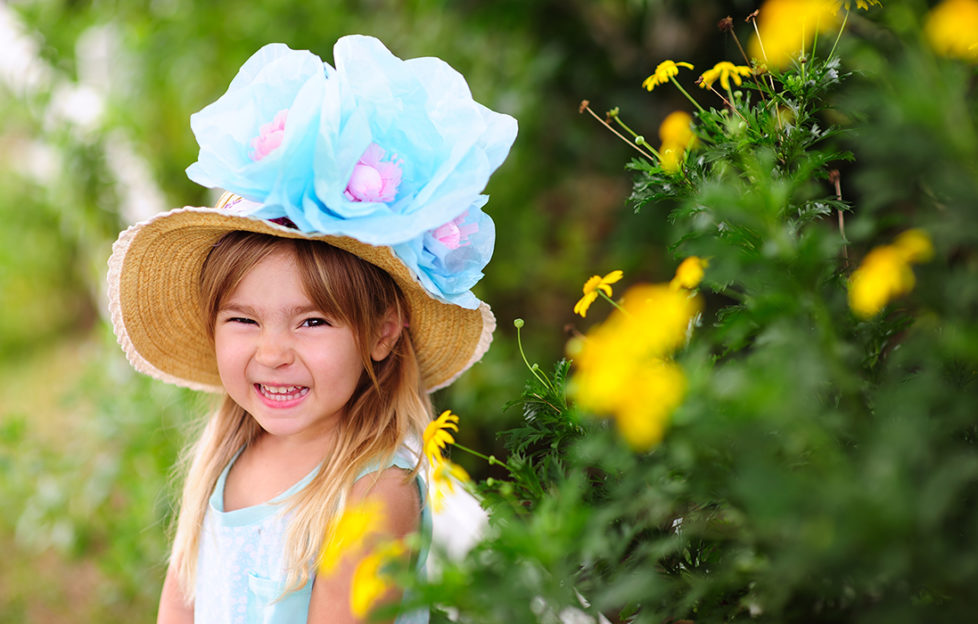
(390, 333)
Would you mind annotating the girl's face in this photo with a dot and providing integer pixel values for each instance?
(280, 358)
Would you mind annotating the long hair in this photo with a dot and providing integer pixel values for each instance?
(388, 406)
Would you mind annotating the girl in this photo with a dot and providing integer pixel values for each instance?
(325, 296)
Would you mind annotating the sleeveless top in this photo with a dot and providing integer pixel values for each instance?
(240, 568)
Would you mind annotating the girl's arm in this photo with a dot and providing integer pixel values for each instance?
(173, 609)
(398, 495)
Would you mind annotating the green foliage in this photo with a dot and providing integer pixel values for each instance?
(823, 467)
(91, 484)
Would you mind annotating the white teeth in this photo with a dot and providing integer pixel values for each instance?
(280, 389)
(282, 393)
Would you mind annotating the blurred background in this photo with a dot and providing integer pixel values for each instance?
(95, 98)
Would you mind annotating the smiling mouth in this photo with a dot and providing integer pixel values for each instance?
(282, 393)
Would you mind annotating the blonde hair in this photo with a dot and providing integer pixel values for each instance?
(389, 405)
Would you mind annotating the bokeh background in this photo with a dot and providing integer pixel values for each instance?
(95, 98)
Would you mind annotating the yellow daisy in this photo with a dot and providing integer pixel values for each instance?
(664, 71)
(724, 71)
(437, 435)
(592, 286)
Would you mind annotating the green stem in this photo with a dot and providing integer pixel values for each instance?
(491, 459)
(688, 96)
(614, 115)
(533, 368)
(639, 139)
(634, 145)
(838, 36)
(612, 302)
(730, 102)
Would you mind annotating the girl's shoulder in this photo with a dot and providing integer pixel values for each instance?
(392, 484)
(404, 458)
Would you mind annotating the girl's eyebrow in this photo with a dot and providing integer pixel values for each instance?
(306, 309)
(235, 306)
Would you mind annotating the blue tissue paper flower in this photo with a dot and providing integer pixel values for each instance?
(257, 140)
(421, 115)
(448, 260)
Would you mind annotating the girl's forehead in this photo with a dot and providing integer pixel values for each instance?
(277, 274)
(281, 279)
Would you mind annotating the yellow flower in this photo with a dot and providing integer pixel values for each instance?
(370, 582)
(658, 388)
(786, 28)
(658, 317)
(689, 273)
(622, 368)
(664, 71)
(676, 130)
(670, 158)
(444, 475)
(724, 70)
(883, 275)
(677, 136)
(914, 246)
(591, 287)
(437, 435)
(348, 532)
(952, 29)
(861, 4)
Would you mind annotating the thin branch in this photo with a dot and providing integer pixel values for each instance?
(836, 178)
(585, 106)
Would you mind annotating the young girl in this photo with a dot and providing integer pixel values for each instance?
(325, 296)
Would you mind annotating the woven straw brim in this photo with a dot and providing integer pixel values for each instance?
(154, 300)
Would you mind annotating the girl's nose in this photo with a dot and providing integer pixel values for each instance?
(274, 350)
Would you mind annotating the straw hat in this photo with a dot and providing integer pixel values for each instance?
(155, 306)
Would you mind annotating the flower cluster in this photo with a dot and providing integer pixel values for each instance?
(391, 152)
(885, 273)
(624, 366)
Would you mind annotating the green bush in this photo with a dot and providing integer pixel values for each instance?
(822, 464)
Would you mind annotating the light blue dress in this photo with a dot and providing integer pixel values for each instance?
(240, 571)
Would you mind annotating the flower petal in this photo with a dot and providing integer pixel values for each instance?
(273, 80)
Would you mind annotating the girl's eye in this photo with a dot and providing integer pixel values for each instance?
(315, 322)
(239, 319)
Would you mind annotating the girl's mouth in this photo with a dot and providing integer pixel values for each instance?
(281, 394)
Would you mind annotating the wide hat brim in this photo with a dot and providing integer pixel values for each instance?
(154, 301)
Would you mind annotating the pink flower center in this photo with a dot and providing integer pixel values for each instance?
(374, 179)
(455, 233)
(270, 136)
